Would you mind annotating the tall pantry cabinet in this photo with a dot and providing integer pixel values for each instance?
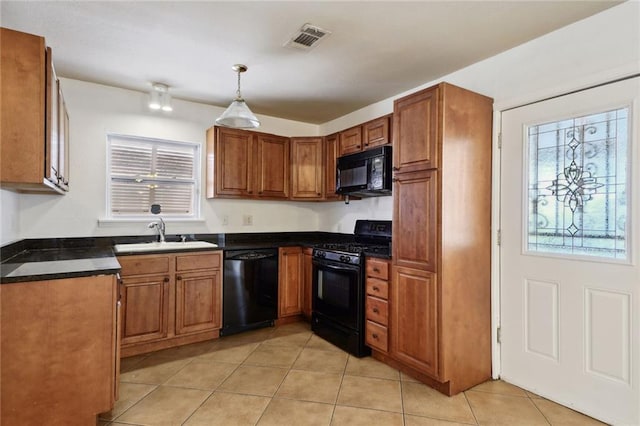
(440, 293)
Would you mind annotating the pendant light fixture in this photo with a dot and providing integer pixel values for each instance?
(238, 115)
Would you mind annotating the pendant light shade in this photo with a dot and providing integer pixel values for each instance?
(238, 115)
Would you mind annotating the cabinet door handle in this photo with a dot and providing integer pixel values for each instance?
(166, 279)
(376, 311)
(319, 193)
(179, 277)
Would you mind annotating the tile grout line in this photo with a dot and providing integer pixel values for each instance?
(283, 379)
(213, 391)
(473, 413)
(198, 407)
(539, 410)
(335, 404)
(136, 403)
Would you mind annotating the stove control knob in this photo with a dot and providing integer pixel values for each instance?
(345, 259)
(320, 254)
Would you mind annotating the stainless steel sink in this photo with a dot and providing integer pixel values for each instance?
(163, 246)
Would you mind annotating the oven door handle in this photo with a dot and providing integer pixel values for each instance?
(353, 268)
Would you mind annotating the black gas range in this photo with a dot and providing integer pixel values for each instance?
(349, 252)
(339, 288)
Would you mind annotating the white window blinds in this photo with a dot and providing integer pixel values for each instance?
(144, 171)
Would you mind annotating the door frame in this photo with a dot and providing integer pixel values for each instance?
(579, 84)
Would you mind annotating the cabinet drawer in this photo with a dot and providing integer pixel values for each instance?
(378, 268)
(189, 262)
(142, 265)
(378, 288)
(376, 336)
(377, 310)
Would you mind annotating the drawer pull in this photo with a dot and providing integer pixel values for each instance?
(376, 270)
(375, 336)
(376, 311)
(375, 288)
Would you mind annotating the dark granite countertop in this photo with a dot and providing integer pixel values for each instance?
(56, 258)
(58, 263)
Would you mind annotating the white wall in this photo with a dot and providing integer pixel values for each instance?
(591, 51)
(9, 212)
(96, 110)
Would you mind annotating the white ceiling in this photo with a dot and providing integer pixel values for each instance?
(376, 50)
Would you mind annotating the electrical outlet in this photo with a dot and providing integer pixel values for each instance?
(225, 220)
(247, 220)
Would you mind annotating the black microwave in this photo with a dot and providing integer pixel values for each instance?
(365, 174)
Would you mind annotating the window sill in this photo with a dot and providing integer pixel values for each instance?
(111, 222)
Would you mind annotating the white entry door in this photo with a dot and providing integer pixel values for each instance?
(570, 251)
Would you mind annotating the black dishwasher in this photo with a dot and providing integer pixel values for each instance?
(249, 290)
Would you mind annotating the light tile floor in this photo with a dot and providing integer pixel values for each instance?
(288, 376)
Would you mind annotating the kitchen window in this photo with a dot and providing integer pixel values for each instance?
(145, 171)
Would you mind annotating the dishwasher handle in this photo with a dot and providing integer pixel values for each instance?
(251, 255)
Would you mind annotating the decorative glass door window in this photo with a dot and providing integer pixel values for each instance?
(577, 186)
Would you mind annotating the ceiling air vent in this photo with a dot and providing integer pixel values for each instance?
(307, 37)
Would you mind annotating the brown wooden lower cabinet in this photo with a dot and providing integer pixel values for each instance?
(290, 282)
(307, 293)
(198, 301)
(58, 350)
(146, 308)
(170, 300)
(414, 323)
(376, 304)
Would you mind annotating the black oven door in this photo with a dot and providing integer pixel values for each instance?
(335, 292)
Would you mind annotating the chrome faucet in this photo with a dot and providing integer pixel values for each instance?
(160, 227)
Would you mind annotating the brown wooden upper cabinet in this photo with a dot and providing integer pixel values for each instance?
(244, 164)
(376, 132)
(247, 164)
(272, 166)
(416, 119)
(34, 120)
(331, 159)
(351, 141)
(306, 168)
(368, 135)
